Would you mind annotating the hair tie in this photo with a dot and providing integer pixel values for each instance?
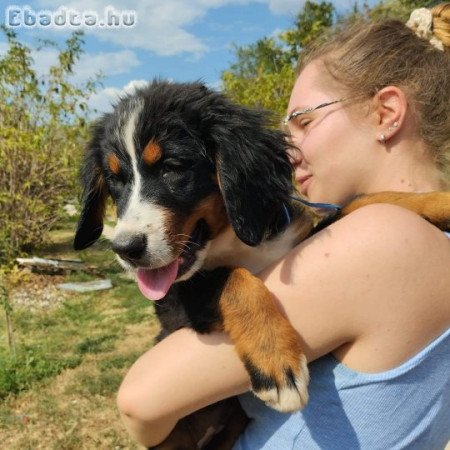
(421, 22)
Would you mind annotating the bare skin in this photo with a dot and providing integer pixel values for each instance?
(352, 290)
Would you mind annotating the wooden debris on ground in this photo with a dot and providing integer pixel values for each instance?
(86, 286)
(56, 266)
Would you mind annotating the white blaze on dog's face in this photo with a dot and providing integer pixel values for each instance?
(141, 220)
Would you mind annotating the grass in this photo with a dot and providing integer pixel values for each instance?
(58, 391)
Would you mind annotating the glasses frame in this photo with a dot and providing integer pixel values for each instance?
(300, 112)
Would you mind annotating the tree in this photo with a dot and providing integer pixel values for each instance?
(264, 72)
(43, 125)
(309, 25)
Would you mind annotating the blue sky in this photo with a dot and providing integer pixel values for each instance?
(182, 40)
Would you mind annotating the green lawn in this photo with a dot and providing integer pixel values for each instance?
(58, 391)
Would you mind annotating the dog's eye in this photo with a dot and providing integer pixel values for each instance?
(118, 178)
(173, 165)
(116, 184)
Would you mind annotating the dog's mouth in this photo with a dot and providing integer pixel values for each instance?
(155, 283)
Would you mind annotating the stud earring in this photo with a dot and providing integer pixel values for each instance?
(394, 125)
(382, 138)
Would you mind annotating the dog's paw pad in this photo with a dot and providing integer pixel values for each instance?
(289, 393)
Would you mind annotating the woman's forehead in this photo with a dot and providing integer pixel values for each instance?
(312, 86)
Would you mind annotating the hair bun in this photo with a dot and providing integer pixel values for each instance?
(441, 23)
(421, 22)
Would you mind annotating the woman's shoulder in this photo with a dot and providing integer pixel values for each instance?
(381, 218)
(392, 246)
(397, 272)
(374, 276)
(390, 231)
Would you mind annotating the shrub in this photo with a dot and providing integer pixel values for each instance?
(43, 126)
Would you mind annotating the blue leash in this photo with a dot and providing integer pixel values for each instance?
(331, 206)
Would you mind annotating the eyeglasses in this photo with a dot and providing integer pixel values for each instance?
(295, 114)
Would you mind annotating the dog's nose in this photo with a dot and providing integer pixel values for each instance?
(130, 247)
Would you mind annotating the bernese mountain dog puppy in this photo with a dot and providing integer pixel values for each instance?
(203, 190)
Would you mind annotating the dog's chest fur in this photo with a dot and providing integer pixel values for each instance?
(227, 250)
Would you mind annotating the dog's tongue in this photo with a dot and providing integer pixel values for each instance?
(154, 283)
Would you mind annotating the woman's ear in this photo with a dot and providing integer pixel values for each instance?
(390, 106)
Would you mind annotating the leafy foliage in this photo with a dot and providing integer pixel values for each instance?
(43, 124)
(264, 72)
(309, 25)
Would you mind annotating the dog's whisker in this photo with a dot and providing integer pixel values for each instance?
(193, 243)
(181, 234)
(183, 242)
(187, 244)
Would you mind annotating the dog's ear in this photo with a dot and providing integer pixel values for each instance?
(255, 175)
(90, 223)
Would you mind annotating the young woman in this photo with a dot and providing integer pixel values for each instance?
(369, 112)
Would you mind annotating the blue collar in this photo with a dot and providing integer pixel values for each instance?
(331, 206)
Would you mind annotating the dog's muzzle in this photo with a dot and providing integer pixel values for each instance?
(132, 248)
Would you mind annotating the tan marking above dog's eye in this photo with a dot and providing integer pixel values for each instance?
(152, 153)
(114, 163)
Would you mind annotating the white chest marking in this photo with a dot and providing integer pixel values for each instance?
(228, 250)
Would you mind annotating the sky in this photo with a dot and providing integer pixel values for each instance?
(180, 40)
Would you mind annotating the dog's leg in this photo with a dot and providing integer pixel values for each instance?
(215, 427)
(432, 206)
(265, 341)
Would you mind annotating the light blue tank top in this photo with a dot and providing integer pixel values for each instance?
(404, 408)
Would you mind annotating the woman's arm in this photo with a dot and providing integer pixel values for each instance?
(347, 289)
(181, 374)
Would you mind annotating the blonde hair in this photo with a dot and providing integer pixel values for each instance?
(365, 57)
(441, 24)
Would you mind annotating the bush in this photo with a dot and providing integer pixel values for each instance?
(43, 126)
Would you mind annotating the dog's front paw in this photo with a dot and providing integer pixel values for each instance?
(265, 341)
(281, 386)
